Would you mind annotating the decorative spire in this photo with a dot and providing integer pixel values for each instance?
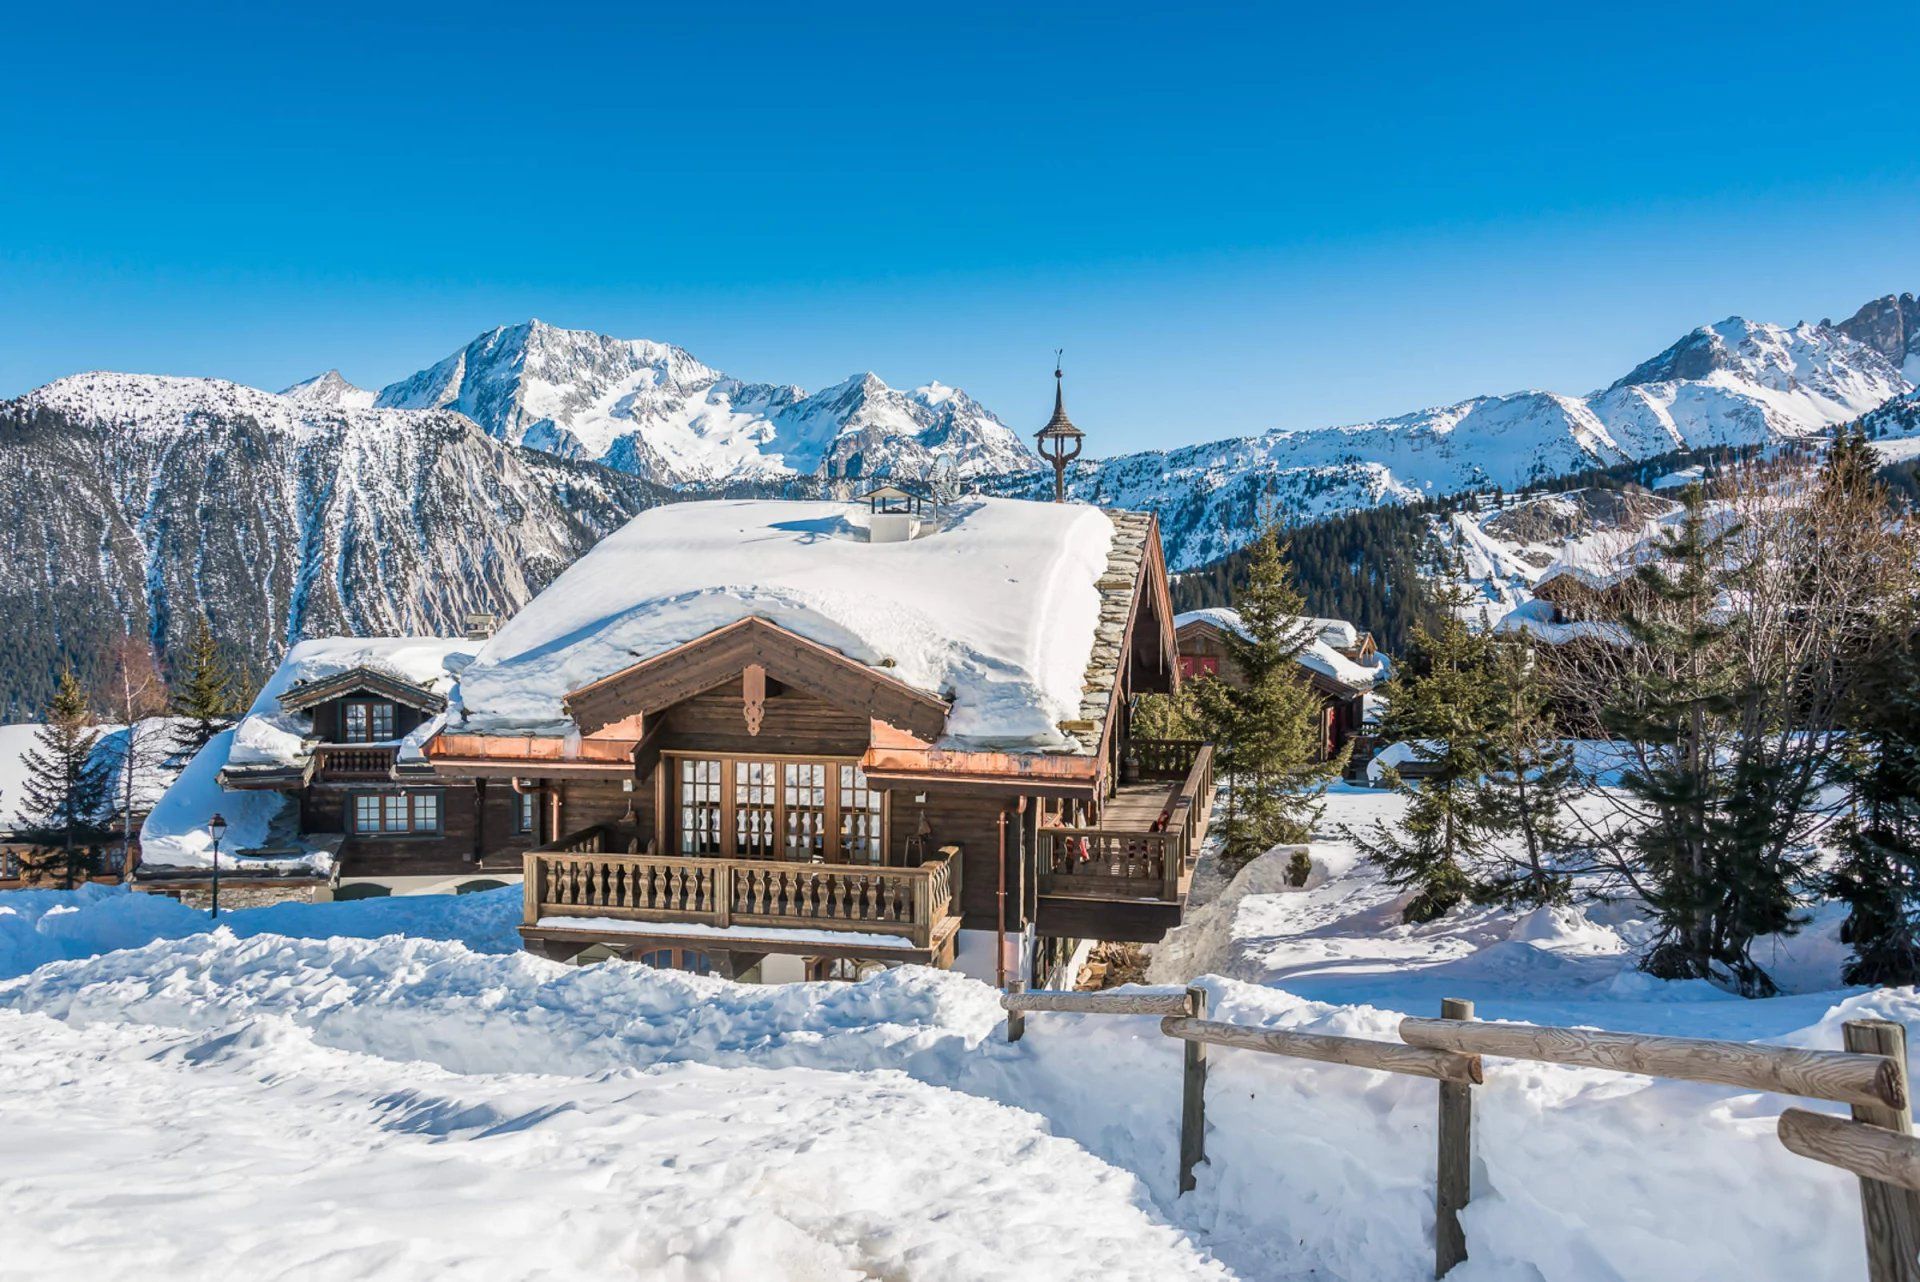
(1059, 441)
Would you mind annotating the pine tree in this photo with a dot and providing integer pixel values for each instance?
(1444, 702)
(1677, 709)
(1267, 724)
(65, 788)
(1524, 795)
(203, 694)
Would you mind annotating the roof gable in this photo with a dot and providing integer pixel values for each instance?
(309, 694)
(699, 665)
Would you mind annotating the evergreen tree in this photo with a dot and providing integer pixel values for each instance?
(1877, 874)
(203, 693)
(1677, 710)
(1267, 725)
(1524, 795)
(66, 789)
(1444, 702)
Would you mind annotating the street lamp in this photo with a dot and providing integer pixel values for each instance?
(218, 827)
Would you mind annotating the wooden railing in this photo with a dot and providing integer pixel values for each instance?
(575, 878)
(353, 761)
(1166, 758)
(1870, 1075)
(1129, 863)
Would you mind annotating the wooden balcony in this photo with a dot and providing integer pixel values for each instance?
(333, 761)
(1149, 833)
(579, 889)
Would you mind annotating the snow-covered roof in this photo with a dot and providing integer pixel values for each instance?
(272, 737)
(1321, 654)
(1535, 619)
(993, 607)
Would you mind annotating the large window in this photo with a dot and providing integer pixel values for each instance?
(817, 811)
(395, 813)
(367, 721)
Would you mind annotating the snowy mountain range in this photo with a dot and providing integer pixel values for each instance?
(1738, 382)
(652, 410)
(141, 501)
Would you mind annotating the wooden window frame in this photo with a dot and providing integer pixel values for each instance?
(413, 798)
(677, 958)
(346, 719)
(667, 819)
(526, 814)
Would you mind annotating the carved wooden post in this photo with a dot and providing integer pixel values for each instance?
(1016, 1019)
(1454, 1183)
(530, 888)
(1891, 1213)
(1193, 1096)
(723, 893)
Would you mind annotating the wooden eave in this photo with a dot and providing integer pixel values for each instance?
(309, 693)
(698, 665)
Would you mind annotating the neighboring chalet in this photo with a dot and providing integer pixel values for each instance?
(1340, 662)
(770, 740)
(323, 787)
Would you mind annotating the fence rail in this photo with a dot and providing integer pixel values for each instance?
(1876, 1144)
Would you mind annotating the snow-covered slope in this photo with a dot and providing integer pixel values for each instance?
(651, 409)
(142, 502)
(1738, 382)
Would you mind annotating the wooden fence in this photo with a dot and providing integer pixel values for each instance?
(1870, 1075)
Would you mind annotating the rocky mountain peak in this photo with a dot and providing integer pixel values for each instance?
(330, 389)
(1890, 325)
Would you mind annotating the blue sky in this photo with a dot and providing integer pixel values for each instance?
(1232, 217)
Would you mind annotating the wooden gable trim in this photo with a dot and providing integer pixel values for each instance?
(720, 655)
(308, 694)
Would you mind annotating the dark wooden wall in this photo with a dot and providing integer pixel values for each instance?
(795, 723)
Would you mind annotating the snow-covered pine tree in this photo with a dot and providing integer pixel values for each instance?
(65, 788)
(203, 693)
(1524, 795)
(1267, 725)
(1444, 701)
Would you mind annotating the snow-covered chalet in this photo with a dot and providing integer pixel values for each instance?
(768, 739)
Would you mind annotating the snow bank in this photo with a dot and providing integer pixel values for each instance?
(994, 608)
(1315, 1170)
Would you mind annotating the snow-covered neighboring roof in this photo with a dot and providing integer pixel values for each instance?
(1400, 754)
(1535, 619)
(993, 608)
(1680, 480)
(158, 765)
(1322, 654)
(271, 737)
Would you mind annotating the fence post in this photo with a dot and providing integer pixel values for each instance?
(1891, 1213)
(1193, 1096)
(1454, 1183)
(1016, 1019)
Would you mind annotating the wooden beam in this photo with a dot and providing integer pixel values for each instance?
(1386, 1057)
(1453, 1180)
(1889, 1211)
(1107, 1003)
(1871, 1152)
(1193, 1093)
(1834, 1075)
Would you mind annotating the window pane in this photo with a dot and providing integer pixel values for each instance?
(860, 838)
(395, 809)
(699, 806)
(806, 806)
(426, 812)
(356, 731)
(529, 812)
(382, 714)
(366, 812)
(755, 797)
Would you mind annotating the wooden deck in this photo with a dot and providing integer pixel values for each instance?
(1147, 840)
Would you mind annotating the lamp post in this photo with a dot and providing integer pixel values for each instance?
(218, 827)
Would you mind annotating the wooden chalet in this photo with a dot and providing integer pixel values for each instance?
(1341, 663)
(766, 797)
